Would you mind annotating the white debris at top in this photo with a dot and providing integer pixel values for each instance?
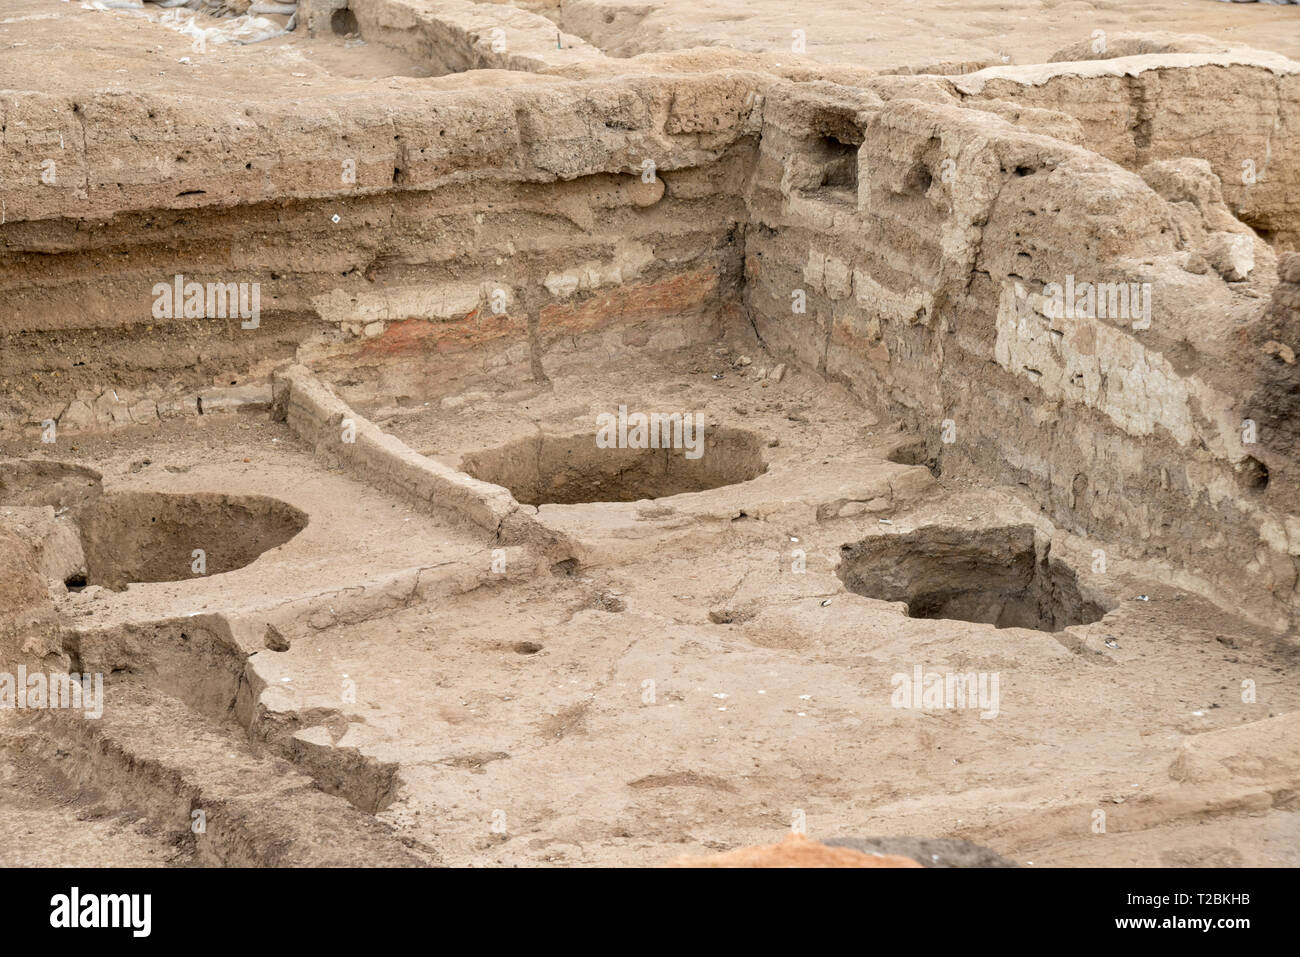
(211, 21)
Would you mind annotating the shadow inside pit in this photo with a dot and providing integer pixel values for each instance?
(156, 537)
(995, 576)
(573, 469)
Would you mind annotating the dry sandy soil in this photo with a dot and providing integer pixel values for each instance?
(361, 582)
(880, 33)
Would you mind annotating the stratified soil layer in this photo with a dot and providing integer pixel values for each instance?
(616, 433)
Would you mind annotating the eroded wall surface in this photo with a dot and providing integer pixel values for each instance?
(933, 275)
(500, 220)
(912, 236)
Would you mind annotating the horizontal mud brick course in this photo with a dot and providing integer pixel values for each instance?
(414, 338)
(139, 151)
(689, 303)
(458, 195)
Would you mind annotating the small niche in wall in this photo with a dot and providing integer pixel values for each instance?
(836, 162)
(840, 170)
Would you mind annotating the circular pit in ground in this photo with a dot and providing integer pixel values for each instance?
(1002, 576)
(574, 469)
(153, 536)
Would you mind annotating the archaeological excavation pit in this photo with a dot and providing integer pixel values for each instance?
(163, 537)
(419, 245)
(572, 469)
(994, 576)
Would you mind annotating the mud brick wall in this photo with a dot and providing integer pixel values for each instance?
(499, 220)
(1242, 117)
(915, 271)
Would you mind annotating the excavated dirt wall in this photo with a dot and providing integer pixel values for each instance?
(919, 219)
(1239, 113)
(426, 592)
(918, 277)
(496, 222)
